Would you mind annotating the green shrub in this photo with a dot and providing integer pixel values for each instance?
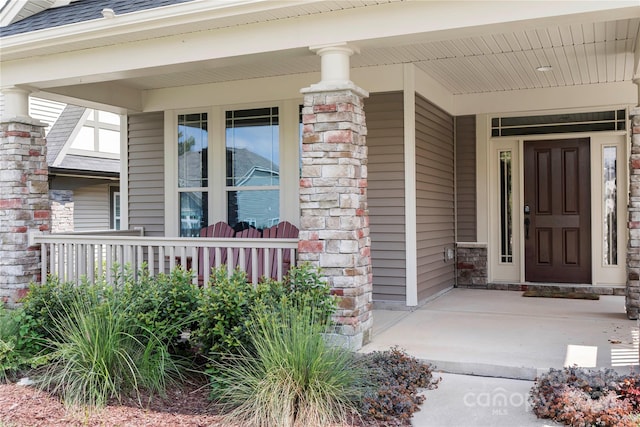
(10, 359)
(42, 304)
(394, 378)
(224, 314)
(305, 287)
(99, 352)
(165, 304)
(291, 376)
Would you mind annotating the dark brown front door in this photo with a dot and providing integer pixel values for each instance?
(557, 212)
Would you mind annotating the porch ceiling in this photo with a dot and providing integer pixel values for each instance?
(579, 54)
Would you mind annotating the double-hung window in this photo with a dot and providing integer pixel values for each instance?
(193, 195)
(252, 167)
(249, 186)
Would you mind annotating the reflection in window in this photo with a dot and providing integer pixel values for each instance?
(192, 150)
(252, 167)
(193, 137)
(100, 132)
(506, 208)
(610, 219)
(194, 213)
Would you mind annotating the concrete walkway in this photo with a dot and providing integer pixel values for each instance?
(488, 346)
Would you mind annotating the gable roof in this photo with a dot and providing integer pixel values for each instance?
(80, 11)
(61, 133)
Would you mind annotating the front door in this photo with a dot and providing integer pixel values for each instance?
(557, 211)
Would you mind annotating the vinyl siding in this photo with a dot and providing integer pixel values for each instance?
(466, 178)
(44, 110)
(91, 208)
(146, 172)
(385, 140)
(434, 198)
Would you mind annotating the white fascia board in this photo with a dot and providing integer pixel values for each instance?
(404, 23)
(555, 98)
(141, 22)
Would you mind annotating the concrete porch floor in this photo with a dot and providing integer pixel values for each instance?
(500, 341)
(503, 334)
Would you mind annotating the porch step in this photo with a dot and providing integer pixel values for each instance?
(564, 287)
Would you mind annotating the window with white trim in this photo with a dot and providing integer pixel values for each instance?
(192, 152)
(252, 145)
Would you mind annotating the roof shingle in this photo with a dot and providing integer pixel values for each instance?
(80, 11)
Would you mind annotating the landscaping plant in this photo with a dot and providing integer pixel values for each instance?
(394, 380)
(290, 376)
(224, 315)
(580, 397)
(10, 358)
(98, 351)
(165, 304)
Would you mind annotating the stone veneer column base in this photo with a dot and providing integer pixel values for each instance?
(24, 204)
(632, 296)
(471, 265)
(334, 222)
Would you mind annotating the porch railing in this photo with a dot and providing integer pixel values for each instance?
(72, 257)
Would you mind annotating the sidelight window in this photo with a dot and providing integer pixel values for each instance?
(506, 207)
(610, 208)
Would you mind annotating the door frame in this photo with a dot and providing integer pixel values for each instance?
(488, 218)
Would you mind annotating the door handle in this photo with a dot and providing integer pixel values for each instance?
(527, 222)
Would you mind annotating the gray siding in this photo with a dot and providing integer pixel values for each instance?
(434, 198)
(385, 139)
(146, 172)
(466, 178)
(91, 208)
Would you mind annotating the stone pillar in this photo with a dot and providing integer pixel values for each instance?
(24, 199)
(632, 297)
(334, 222)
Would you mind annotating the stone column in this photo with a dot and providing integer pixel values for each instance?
(632, 297)
(24, 199)
(334, 222)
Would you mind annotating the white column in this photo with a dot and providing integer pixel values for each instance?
(636, 81)
(16, 103)
(335, 69)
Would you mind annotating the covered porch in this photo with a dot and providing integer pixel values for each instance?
(384, 146)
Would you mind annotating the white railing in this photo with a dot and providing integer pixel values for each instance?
(72, 257)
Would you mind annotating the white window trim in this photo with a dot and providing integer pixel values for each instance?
(288, 118)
